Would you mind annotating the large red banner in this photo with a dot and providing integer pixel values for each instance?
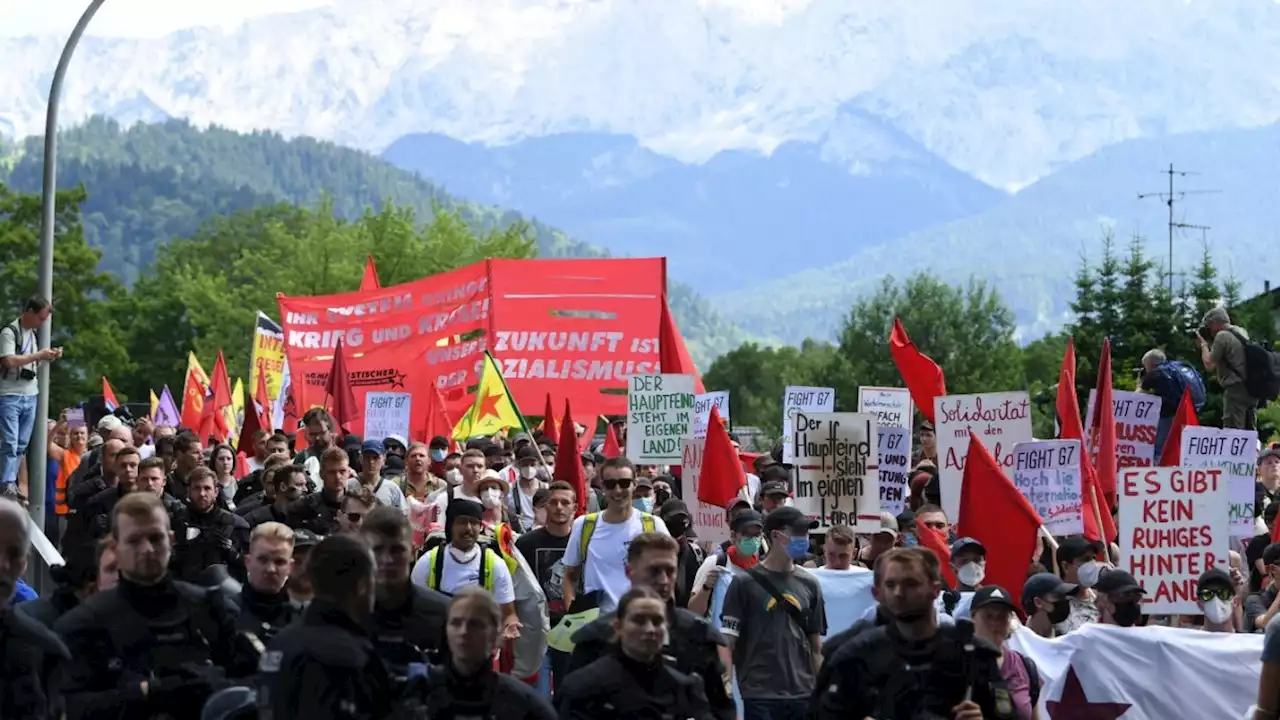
(573, 328)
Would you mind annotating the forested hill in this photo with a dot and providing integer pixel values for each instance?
(149, 183)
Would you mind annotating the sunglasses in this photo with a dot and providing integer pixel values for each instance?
(623, 484)
(1208, 594)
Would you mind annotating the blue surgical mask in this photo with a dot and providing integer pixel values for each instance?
(643, 504)
(438, 455)
(798, 547)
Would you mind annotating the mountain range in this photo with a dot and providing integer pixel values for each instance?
(784, 154)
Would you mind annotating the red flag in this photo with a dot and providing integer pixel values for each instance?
(1102, 429)
(673, 355)
(569, 461)
(722, 475)
(995, 513)
(252, 424)
(109, 396)
(548, 425)
(370, 279)
(263, 398)
(610, 449)
(922, 376)
(1071, 428)
(193, 402)
(936, 542)
(438, 422)
(342, 401)
(212, 420)
(242, 464)
(1171, 453)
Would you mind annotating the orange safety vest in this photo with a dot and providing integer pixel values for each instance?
(70, 461)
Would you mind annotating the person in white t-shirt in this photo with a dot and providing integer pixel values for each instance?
(473, 466)
(524, 485)
(464, 562)
(606, 544)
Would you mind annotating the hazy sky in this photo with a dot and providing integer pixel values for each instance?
(136, 18)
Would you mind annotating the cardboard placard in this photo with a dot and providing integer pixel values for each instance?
(1000, 420)
(837, 480)
(659, 417)
(1235, 453)
(702, 405)
(1137, 415)
(891, 406)
(1047, 472)
(798, 398)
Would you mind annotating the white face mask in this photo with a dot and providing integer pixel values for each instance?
(1087, 574)
(1217, 611)
(491, 497)
(464, 557)
(529, 472)
(970, 574)
(453, 476)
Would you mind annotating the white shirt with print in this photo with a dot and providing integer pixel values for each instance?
(455, 575)
(607, 555)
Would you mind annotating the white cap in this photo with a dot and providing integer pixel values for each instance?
(109, 423)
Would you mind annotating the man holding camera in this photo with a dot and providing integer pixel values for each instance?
(19, 357)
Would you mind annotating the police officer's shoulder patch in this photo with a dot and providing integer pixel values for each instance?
(270, 661)
(1004, 702)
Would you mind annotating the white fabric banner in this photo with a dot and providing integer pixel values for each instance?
(1150, 673)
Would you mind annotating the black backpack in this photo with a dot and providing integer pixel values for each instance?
(1261, 370)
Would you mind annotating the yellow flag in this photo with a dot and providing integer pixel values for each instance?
(234, 412)
(494, 409)
(155, 405)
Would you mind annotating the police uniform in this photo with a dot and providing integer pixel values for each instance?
(216, 537)
(616, 687)
(25, 649)
(881, 674)
(263, 615)
(141, 651)
(409, 631)
(445, 693)
(323, 667)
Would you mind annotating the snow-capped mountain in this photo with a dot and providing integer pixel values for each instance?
(1004, 90)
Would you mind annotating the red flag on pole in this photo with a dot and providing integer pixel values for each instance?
(1171, 453)
(1070, 427)
(936, 542)
(569, 461)
(548, 425)
(722, 475)
(342, 401)
(370, 279)
(673, 354)
(922, 376)
(610, 449)
(1102, 428)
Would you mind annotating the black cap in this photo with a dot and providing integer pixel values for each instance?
(1075, 548)
(1042, 584)
(1115, 580)
(528, 452)
(744, 519)
(787, 518)
(1271, 555)
(967, 542)
(439, 442)
(992, 595)
(774, 488)
(674, 507)
(304, 538)
(644, 481)
(1215, 577)
(775, 473)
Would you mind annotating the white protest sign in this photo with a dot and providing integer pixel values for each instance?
(1137, 415)
(708, 520)
(1234, 452)
(702, 405)
(797, 398)
(1000, 420)
(387, 414)
(1173, 527)
(891, 406)
(1047, 472)
(894, 448)
(75, 417)
(659, 417)
(838, 482)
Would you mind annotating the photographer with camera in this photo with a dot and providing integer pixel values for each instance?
(19, 357)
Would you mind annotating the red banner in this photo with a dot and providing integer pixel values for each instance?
(573, 328)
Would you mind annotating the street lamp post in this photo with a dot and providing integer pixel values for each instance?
(38, 450)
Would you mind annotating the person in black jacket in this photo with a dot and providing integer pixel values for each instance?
(318, 512)
(465, 684)
(97, 512)
(76, 580)
(205, 534)
(152, 645)
(326, 666)
(25, 644)
(694, 644)
(633, 681)
(407, 624)
(264, 604)
(288, 484)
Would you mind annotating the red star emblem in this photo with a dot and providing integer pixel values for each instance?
(488, 406)
(1073, 704)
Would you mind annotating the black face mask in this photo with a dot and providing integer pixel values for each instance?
(660, 497)
(498, 465)
(1127, 614)
(677, 528)
(1060, 611)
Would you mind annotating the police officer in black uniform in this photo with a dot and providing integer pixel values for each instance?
(910, 668)
(264, 603)
(25, 645)
(407, 625)
(205, 534)
(326, 666)
(318, 511)
(153, 646)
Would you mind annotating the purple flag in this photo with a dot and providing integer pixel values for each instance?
(167, 414)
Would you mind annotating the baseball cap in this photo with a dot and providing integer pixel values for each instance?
(992, 595)
(774, 488)
(967, 542)
(1215, 577)
(1271, 555)
(644, 481)
(888, 525)
(1042, 584)
(397, 439)
(745, 519)
(1075, 548)
(527, 452)
(373, 446)
(304, 538)
(1115, 580)
(775, 473)
(787, 518)
(110, 423)
(1269, 452)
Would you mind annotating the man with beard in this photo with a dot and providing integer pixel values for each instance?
(152, 646)
(80, 529)
(544, 549)
(288, 484)
(264, 604)
(320, 438)
(152, 478)
(407, 625)
(911, 665)
(205, 534)
(189, 455)
(318, 512)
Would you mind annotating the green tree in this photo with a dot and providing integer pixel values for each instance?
(1041, 362)
(84, 322)
(756, 378)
